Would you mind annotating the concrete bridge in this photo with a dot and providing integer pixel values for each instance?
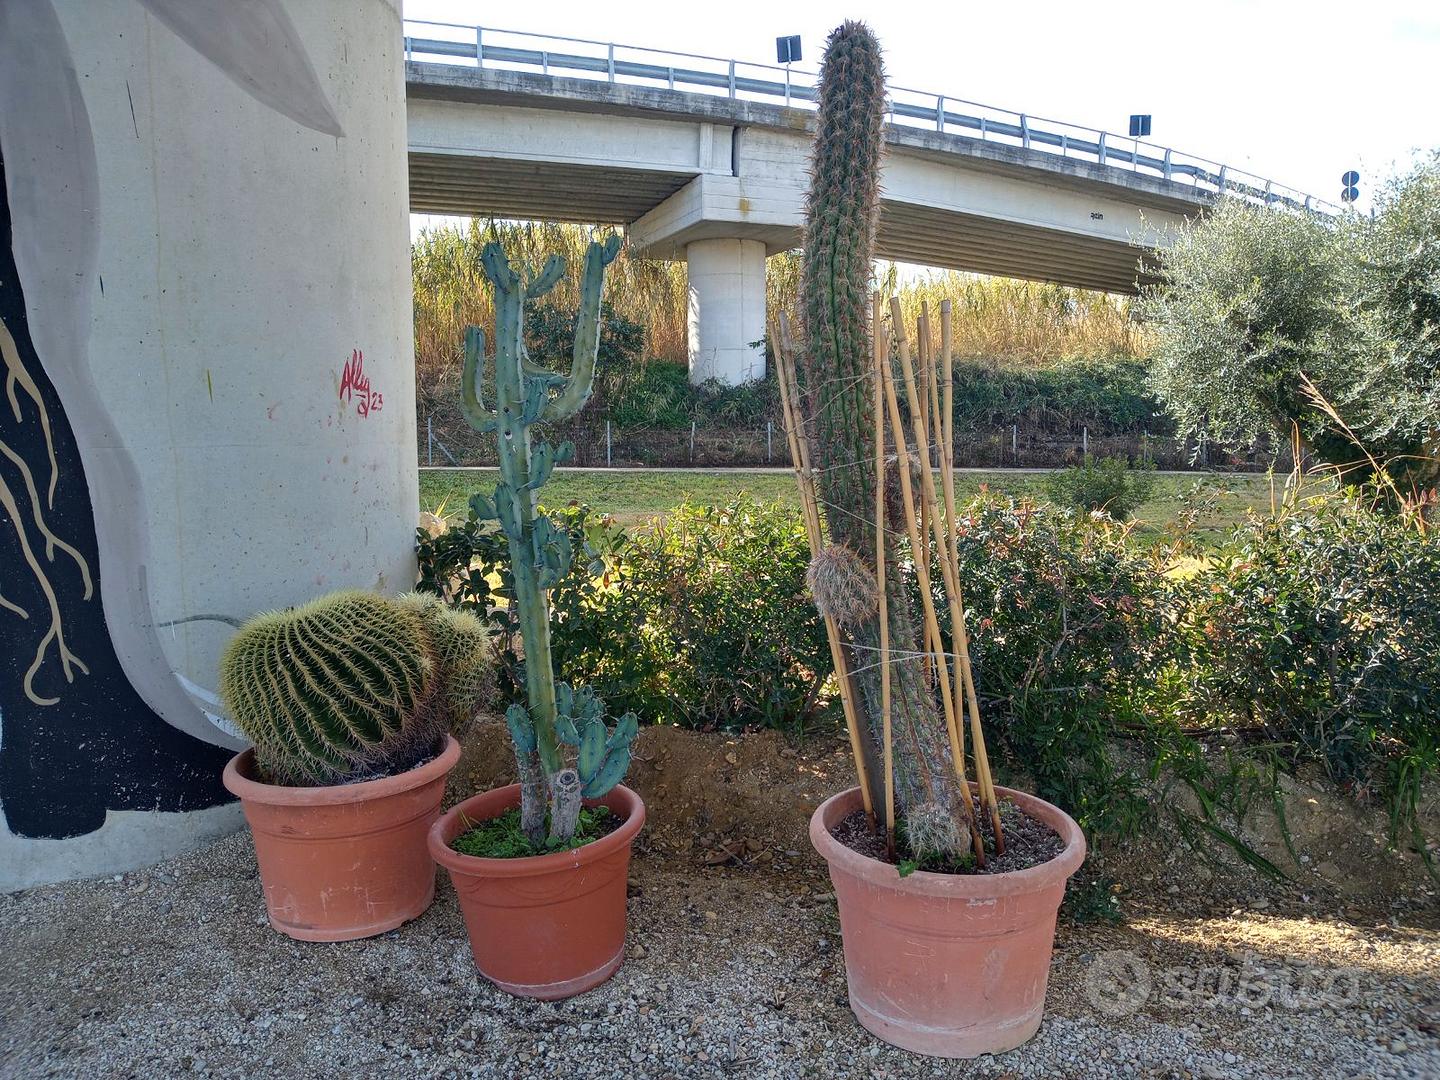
(707, 159)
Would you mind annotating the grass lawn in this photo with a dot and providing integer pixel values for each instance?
(633, 497)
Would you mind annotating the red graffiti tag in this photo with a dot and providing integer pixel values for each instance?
(355, 386)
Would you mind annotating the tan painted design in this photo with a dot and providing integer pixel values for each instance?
(69, 662)
(15, 373)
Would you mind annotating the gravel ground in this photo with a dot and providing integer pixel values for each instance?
(734, 970)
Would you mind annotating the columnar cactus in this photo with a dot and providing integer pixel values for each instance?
(352, 685)
(835, 369)
(527, 394)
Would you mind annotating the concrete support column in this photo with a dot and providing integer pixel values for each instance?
(206, 320)
(727, 310)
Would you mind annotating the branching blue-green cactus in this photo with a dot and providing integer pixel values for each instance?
(527, 393)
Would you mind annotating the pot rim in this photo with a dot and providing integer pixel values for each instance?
(534, 865)
(240, 782)
(1044, 875)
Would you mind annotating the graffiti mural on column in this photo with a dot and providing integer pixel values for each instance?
(95, 718)
(76, 739)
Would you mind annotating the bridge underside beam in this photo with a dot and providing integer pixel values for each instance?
(539, 191)
(944, 238)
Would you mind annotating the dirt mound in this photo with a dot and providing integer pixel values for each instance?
(747, 799)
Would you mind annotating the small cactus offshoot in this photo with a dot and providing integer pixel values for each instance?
(527, 393)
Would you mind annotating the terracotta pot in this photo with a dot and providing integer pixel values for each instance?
(348, 861)
(547, 926)
(952, 965)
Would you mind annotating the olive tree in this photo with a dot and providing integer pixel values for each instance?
(1268, 320)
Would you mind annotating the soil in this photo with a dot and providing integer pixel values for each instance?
(734, 963)
(1028, 843)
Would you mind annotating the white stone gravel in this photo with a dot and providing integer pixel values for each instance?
(734, 972)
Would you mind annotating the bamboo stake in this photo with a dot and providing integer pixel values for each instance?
(887, 738)
(964, 673)
(919, 552)
(921, 422)
(810, 509)
(947, 467)
(932, 389)
(950, 579)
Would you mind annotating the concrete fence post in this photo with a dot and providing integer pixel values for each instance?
(769, 431)
(607, 444)
(1085, 441)
(429, 441)
(692, 442)
(1014, 442)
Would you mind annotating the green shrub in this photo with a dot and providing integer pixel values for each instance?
(468, 565)
(656, 394)
(659, 395)
(1319, 630)
(550, 336)
(1108, 484)
(1110, 397)
(708, 623)
(701, 619)
(1065, 619)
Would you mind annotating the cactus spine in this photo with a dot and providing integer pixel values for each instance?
(835, 370)
(352, 685)
(527, 394)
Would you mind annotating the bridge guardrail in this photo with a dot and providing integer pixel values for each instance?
(483, 46)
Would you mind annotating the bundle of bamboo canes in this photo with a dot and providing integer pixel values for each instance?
(931, 529)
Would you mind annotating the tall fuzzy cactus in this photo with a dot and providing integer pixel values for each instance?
(527, 394)
(836, 373)
(352, 685)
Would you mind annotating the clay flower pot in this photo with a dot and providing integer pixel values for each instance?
(547, 926)
(952, 965)
(348, 861)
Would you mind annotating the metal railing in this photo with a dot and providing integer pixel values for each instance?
(490, 47)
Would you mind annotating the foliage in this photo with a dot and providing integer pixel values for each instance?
(1248, 303)
(450, 294)
(1396, 401)
(700, 620)
(707, 623)
(1318, 629)
(1024, 323)
(1266, 319)
(503, 838)
(1122, 680)
(550, 331)
(660, 395)
(1110, 396)
(1108, 485)
(1065, 620)
(353, 685)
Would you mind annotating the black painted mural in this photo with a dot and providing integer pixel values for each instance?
(76, 739)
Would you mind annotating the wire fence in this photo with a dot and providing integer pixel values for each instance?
(602, 444)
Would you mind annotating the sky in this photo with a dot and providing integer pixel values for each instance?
(1297, 92)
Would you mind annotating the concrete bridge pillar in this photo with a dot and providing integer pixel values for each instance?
(727, 310)
(205, 321)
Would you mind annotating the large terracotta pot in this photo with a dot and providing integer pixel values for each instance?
(548, 926)
(348, 861)
(952, 965)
